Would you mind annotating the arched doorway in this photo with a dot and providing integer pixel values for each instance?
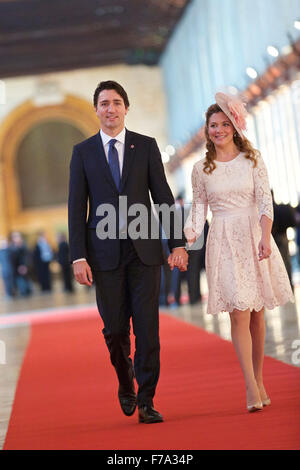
(35, 151)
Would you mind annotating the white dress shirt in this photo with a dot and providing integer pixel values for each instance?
(119, 145)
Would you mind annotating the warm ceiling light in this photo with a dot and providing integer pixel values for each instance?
(275, 71)
(165, 157)
(255, 90)
(170, 150)
(286, 49)
(297, 24)
(251, 72)
(273, 51)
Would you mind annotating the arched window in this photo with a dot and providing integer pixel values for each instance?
(42, 163)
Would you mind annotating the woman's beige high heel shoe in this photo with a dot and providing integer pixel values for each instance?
(266, 402)
(256, 407)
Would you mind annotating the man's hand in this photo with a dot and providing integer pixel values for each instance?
(83, 273)
(178, 258)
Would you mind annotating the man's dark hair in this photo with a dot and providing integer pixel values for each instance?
(111, 85)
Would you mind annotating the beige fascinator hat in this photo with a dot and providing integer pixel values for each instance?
(235, 110)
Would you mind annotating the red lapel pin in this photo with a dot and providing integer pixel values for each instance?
(132, 146)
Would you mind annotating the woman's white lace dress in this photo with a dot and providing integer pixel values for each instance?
(238, 195)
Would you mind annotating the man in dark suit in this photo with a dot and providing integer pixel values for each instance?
(284, 217)
(126, 268)
(63, 260)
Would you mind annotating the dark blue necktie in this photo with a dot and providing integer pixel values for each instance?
(113, 161)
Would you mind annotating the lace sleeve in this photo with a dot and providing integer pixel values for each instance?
(196, 219)
(263, 195)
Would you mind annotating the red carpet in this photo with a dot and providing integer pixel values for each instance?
(66, 397)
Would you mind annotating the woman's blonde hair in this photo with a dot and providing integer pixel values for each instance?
(242, 144)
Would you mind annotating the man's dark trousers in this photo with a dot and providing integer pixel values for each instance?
(131, 290)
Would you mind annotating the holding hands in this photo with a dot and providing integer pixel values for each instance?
(178, 258)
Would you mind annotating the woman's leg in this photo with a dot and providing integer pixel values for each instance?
(242, 342)
(258, 333)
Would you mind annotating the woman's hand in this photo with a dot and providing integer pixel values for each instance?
(190, 236)
(264, 246)
(264, 249)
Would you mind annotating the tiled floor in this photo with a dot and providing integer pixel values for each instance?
(282, 333)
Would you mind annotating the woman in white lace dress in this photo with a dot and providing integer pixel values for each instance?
(245, 271)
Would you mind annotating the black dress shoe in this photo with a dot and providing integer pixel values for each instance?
(148, 415)
(127, 399)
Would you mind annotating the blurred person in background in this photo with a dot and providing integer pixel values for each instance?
(42, 257)
(195, 267)
(166, 276)
(64, 261)
(284, 217)
(20, 259)
(178, 276)
(297, 216)
(6, 268)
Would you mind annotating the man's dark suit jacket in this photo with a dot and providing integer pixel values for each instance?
(91, 184)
